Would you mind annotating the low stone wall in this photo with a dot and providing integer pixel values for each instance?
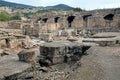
(11, 67)
(89, 31)
(106, 43)
(3, 24)
(102, 41)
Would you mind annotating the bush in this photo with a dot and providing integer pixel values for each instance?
(4, 16)
(15, 17)
(77, 9)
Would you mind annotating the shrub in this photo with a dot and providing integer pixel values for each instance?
(4, 16)
(15, 17)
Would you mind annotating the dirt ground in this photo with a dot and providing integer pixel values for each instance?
(101, 63)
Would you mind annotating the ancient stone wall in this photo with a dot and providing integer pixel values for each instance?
(94, 18)
(31, 30)
(3, 24)
(50, 22)
(14, 25)
(59, 52)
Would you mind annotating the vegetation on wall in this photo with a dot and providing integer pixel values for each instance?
(27, 15)
(43, 11)
(4, 16)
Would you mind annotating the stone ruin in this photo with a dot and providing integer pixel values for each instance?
(81, 19)
(91, 21)
(67, 37)
(59, 52)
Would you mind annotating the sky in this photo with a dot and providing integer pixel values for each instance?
(84, 4)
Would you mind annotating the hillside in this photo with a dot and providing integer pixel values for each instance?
(60, 6)
(16, 5)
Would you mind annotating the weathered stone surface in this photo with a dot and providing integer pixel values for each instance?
(8, 51)
(101, 41)
(73, 20)
(10, 67)
(43, 69)
(72, 38)
(27, 55)
(1, 52)
(90, 31)
(104, 39)
(76, 20)
(57, 52)
(106, 35)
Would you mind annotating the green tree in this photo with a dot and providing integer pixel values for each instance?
(4, 16)
(77, 9)
(28, 14)
(15, 17)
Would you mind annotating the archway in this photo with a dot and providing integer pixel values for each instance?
(56, 19)
(70, 19)
(108, 19)
(45, 20)
(85, 19)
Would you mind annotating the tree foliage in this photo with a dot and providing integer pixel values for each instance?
(15, 17)
(77, 9)
(4, 16)
(28, 14)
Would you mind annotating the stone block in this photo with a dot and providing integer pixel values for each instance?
(57, 52)
(58, 59)
(27, 55)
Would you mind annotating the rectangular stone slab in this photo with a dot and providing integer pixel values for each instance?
(10, 65)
